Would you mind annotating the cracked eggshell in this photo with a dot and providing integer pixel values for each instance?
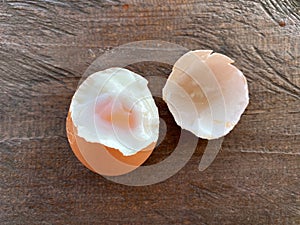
(102, 159)
(113, 122)
(206, 94)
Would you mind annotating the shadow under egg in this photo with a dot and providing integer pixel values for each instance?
(169, 135)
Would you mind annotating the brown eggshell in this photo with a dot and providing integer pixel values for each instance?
(102, 159)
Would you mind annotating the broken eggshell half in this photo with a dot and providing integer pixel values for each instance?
(113, 122)
(206, 94)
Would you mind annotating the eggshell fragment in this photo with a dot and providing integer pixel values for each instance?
(206, 94)
(113, 122)
(115, 108)
(102, 159)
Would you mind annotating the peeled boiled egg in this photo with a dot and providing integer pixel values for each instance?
(206, 94)
(113, 122)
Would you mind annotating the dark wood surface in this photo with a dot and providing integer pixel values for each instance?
(46, 45)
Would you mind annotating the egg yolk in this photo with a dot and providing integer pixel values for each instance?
(114, 112)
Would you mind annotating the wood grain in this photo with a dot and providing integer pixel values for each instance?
(46, 45)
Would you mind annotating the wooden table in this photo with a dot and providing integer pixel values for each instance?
(47, 45)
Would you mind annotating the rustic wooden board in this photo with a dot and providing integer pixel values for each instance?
(46, 45)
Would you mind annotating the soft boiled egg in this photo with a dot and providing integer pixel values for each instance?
(113, 122)
(206, 94)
